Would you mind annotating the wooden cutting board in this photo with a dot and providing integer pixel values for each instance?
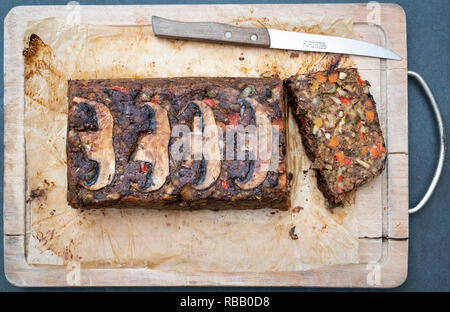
(383, 217)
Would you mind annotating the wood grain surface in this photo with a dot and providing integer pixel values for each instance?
(382, 204)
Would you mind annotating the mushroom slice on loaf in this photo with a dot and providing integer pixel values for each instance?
(98, 144)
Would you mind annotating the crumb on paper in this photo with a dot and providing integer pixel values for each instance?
(292, 233)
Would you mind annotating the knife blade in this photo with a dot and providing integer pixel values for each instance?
(266, 38)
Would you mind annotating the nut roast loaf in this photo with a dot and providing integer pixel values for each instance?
(123, 148)
(124, 135)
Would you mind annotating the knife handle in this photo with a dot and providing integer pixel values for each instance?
(211, 32)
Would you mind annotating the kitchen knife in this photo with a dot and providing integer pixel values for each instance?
(266, 38)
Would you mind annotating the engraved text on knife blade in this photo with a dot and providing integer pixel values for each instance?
(314, 45)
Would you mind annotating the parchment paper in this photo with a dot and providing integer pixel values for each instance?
(205, 240)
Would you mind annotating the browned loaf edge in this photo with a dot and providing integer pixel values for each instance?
(340, 129)
(119, 140)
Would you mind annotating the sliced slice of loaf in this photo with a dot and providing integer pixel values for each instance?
(340, 130)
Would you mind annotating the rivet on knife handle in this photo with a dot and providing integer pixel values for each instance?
(212, 32)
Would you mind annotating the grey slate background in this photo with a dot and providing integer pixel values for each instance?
(428, 53)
